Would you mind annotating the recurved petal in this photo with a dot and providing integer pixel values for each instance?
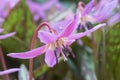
(50, 58)
(82, 34)
(70, 27)
(7, 35)
(88, 8)
(9, 71)
(29, 54)
(46, 37)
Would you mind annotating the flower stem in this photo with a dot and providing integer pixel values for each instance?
(95, 2)
(32, 46)
(3, 63)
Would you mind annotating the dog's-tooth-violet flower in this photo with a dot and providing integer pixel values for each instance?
(56, 43)
(84, 14)
(97, 12)
(9, 71)
(6, 35)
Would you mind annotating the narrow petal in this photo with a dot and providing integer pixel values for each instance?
(9, 71)
(70, 27)
(88, 8)
(69, 42)
(7, 35)
(80, 35)
(46, 37)
(29, 54)
(50, 58)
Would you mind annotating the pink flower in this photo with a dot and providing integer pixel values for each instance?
(56, 42)
(84, 14)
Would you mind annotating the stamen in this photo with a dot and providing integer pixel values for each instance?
(55, 52)
(64, 56)
(71, 53)
(89, 25)
(67, 49)
(81, 28)
(65, 52)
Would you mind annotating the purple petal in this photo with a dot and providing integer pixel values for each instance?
(88, 8)
(29, 54)
(50, 58)
(102, 14)
(114, 19)
(70, 28)
(34, 7)
(61, 25)
(69, 42)
(9, 71)
(7, 35)
(102, 3)
(80, 35)
(46, 37)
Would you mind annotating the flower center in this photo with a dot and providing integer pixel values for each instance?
(60, 46)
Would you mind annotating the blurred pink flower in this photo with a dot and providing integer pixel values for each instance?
(104, 11)
(114, 19)
(38, 10)
(84, 12)
(6, 6)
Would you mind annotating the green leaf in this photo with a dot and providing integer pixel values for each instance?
(113, 52)
(20, 21)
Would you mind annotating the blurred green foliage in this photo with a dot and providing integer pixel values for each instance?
(19, 20)
(113, 52)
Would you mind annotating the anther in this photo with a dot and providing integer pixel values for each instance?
(89, 25)
(55, 52)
